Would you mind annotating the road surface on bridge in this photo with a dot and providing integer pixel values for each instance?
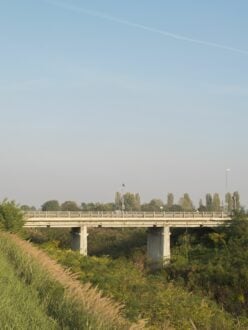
(39, 219)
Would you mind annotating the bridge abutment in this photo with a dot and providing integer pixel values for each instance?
(79, 239)
(158, 246)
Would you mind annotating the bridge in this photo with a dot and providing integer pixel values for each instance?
(158, 224)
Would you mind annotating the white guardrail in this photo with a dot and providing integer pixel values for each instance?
(120, 214)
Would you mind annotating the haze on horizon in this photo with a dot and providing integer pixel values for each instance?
(94, 94)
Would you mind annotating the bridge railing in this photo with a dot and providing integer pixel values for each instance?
(120, 214)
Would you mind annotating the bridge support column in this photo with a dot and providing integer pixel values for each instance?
(79, 240)
(158, 246)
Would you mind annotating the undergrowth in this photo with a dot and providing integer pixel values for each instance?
(72, 305)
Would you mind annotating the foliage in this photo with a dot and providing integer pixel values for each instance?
(131, 201)
(72, 305)
(186, 202)
(236, 201)
(209, 202)
(216, 203)
(150, 296)
(229, 201)
(52, 205)
(98, 206)
(217, 264)
(27, 208)
(20, 307)
(155, 205)
(170, 201)
(69, 206)
(11, 216)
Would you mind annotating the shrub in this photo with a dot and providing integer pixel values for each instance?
(11, 216)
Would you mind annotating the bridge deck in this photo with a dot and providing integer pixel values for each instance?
(125, 219)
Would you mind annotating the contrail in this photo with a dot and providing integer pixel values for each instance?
(144, 27)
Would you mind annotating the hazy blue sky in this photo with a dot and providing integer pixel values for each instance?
(96, 93)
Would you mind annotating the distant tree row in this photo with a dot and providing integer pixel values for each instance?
(131, 202)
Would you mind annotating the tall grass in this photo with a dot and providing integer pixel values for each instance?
(72, 304)
(163, 304)
(19, 306)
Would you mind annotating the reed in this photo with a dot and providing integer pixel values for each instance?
(71, 303)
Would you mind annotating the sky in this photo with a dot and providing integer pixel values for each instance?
(95, 93)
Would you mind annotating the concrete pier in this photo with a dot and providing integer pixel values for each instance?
(79, 239)
(158, 246)
(159, 224)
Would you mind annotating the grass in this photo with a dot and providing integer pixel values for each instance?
(20, 307)
(163, 304)
(73, 305)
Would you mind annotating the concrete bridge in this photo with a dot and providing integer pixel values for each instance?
(158, 224)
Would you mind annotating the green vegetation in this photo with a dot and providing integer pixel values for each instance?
(204, 287)
(131, 202)
(20, 307)
(11, 217)
(184, 294)
(215, 262)
(62, 297)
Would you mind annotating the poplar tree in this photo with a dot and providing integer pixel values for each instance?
(170, 200)
(209, 202)
(216, 203)
(186, 203)
(229, 201)
(236, 200)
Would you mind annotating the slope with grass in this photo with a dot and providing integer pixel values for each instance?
(20, 307)
(163, 304)
(204, 287)
(71, 304)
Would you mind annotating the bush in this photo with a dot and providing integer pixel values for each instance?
(11, 217)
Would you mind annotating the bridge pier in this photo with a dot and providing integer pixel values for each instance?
(79, 240)
(158, 246)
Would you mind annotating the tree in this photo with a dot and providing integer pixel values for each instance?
(118, 200)
(186, 203)
(216, 203)
(131, 202)
(27, 208)
(52, 205)
(156, 205)
(170, 200)
(236, 201)
(176, 208)
(11, 216)
(201, 208)
(229, 201)
(69, 206)
(209, 202)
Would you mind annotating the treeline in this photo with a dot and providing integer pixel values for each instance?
(131, 202)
